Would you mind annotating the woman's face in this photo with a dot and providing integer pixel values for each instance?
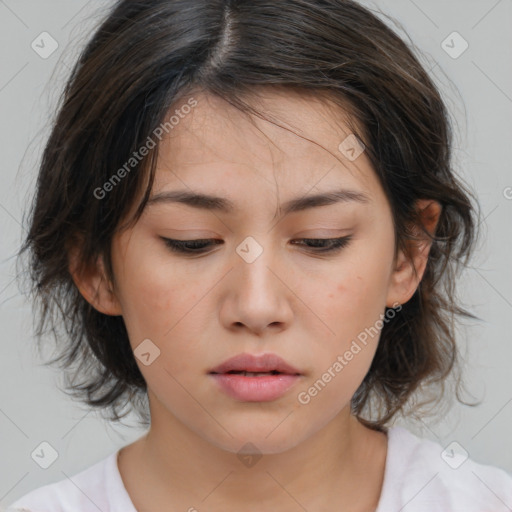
(258, 288)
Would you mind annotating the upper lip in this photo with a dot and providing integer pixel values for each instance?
(252, 363)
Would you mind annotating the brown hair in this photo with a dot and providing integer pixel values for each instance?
(145, 58)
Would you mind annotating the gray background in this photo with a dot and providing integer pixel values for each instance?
(33, 410)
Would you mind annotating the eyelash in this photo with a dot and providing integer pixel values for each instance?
(199, 246)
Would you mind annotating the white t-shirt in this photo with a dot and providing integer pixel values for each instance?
(420, 476)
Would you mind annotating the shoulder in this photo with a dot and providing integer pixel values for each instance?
(85, 491)
(421, 475)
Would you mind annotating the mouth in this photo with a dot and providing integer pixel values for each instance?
(252, 374)
(255, 365)
(255, 378)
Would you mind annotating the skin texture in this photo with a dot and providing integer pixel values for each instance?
(307, 307)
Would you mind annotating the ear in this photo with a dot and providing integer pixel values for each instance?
(94, 285)
(404, 281)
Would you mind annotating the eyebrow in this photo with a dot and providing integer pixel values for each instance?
(224, 205)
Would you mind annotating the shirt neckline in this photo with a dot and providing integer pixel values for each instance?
(393, 468)
(123, 500)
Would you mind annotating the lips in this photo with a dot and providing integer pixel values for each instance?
(251, 378)
(251, 365)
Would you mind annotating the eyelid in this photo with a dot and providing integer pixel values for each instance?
(332, 245)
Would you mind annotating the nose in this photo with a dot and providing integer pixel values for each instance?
(257, 295)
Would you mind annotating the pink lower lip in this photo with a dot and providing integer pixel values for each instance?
(263, 388)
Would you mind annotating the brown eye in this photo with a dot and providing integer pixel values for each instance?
(190, 246)
(199, 246)
(326, 244)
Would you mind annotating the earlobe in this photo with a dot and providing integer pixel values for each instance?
(407, 274)
(94, 286)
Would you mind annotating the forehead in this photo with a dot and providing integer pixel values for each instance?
(217, 147)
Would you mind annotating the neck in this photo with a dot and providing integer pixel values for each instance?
(343, 461)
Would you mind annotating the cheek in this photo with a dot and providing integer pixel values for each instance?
(352, 307)
(351, 311)
(155, 298)
(354, 300)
